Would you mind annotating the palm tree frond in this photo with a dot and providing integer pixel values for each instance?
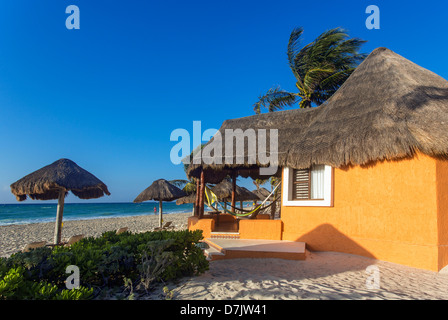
(314, 77)
(275, 99)
(320, 68)
(179, 182)
(293, 49)
(333, 82)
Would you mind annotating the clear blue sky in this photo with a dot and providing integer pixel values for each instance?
(108, 95)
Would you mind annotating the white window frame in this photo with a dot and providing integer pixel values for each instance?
(287, 190)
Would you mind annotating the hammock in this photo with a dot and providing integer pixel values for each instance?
(243, 210)
(210, 195)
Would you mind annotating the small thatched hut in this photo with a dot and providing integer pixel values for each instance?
(54, 182)
(223, 191)
(246, 195)
(365, 173)
(191, 198)
(262, 193)
(160, 190)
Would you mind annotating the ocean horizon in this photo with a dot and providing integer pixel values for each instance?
(46, 212)
(26, 213)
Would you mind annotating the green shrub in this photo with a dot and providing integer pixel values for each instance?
(108, 260)
(15, 285)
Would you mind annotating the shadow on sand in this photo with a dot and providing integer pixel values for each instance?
(329, 275)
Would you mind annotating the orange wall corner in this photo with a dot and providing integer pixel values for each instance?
(204, 224)
(393, 210)
(260, 229)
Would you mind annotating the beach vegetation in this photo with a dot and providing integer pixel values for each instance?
(16, 284)
(138, 261)
(319, 68)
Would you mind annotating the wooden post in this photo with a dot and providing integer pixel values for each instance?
(196, 201)
(160, 213)
(233, 192)
(201, 195)
(59, 215)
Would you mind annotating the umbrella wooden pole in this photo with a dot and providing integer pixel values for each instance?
(233, 192)
(196, 202)
(59, 214)
(160, 213)
(201, 195)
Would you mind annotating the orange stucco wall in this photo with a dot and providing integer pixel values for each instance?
(205, 224)
(442, 208)
(392, 210)
(260, 229)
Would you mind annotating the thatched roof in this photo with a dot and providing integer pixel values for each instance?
(245, 195)
(223, 191)
(262, 193)
(45, 183)
(160, 190)
(389, 108)
(191, 198)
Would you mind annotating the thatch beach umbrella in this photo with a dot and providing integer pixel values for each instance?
(262, 193)
(246, 195)
(242, 194)
(191, 198)
(223, 191)
(54, 182)
(160, 190)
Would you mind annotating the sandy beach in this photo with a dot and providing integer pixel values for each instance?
(14, 237)
(323, 275)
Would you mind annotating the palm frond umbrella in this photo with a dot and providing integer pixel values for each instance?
(54, 182)
(262, 193)
(245, 195)
(160, 190)
(242, 194)
(191, 198)
(223, 191)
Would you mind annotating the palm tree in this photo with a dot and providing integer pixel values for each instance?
(320, 68)
(189, 186)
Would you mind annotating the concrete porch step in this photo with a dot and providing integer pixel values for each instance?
(212, 253)
(247, 248)
(224, 235)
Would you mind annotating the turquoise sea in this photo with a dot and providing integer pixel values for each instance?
(46, 212)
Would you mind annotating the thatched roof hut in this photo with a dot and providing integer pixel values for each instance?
(191, 198)
(262, 193)
(54, 182)
(245, 195)
(45, 183)
(389, 108)
(160, 190)
(223, 191)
